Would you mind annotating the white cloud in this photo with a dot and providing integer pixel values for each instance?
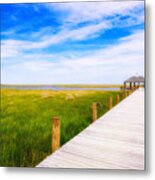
(15, 46)
(25, 61)
(10, 48)
(67, 34)
(83, 11)
(99, 66)
(94, 12)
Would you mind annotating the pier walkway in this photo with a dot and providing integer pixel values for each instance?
(114, 141)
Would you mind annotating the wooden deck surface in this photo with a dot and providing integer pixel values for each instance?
(115, 141)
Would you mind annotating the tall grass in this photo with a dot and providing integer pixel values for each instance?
(25, 127)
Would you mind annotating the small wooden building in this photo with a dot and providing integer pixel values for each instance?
(134, 82)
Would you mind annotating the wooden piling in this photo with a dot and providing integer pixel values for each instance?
(125, 94)
(110, 103)
(55, 133)
(94, 111)
(103, 140)
(118, 98)
(122, 95)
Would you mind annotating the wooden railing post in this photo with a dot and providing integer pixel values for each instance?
(117, 98)
(94, 111)
(125, 94)
(110, 102)
(122, 95)
(55, 133)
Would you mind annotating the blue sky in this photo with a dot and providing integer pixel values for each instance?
(72, 43)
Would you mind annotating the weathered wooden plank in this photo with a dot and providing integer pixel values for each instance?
(65, 160)
(127, 137)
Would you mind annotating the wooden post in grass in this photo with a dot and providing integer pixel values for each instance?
(55, 133)
(110, 102)
(125, 94)
(122, 95)
(117, 98)
(94, 111)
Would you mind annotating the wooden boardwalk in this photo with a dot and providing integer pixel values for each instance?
(115, 141)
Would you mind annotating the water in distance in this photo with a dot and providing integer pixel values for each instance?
(51, 87)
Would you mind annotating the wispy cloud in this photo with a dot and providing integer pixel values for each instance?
(89, 12)
(126, 55)
(47, 40)
(38, 57)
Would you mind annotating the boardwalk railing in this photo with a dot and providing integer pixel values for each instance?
(114, 141)
(55, 133)
(55, 141)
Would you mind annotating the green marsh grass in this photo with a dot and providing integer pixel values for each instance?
(25, 127)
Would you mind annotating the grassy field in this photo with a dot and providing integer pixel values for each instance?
(26, 116)
(89, 85)
(70, 85)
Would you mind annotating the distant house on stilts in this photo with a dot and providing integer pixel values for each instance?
(134, 82)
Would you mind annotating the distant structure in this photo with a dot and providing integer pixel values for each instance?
(134, 82)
